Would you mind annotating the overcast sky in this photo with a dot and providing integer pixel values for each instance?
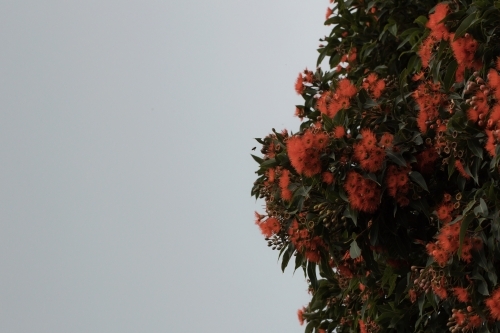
(126, 129)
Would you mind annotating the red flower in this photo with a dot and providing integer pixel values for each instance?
(327, 177)
(493, 304)
(300, 315)
(461, 294)
(329, 13)
(461, 170)
(299, 85)
(438, 29)
(286, 194)
(339, 132)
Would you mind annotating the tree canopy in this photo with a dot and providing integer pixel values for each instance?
(387, 196)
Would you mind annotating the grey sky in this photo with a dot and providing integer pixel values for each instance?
(126, 129)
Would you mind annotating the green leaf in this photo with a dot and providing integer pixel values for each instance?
(421, 20)
(482, 286)
(449, 77)
(463, 230)
(327, 121)
(392, 284)
(354, 250)
(435, 71)
(393, 29)
(421, 301)
(286, 256)
(484, 207)
(469, 206)
(466, 24)
(396, 158)
(298, 260)
(311, 273)
(257, 159)
(475, 148)
(269, 163)
(352, 214)
(419, 179)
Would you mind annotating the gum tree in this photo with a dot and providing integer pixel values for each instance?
(387, 196)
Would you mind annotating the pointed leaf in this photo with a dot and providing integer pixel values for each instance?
(449, 77)
(463, 230)
(354, 251)
(466, 24)
(419, 179)
(257, 159)
(396, 158)
(475, 148)
(286, 256)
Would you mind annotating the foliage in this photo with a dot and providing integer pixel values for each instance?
(388, 196)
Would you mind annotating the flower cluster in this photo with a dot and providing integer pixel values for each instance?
(369, 153)
(398, 184)
(305, 151)
(364, 194)
(373, 85)
(331, 102)
(302, 240)
(429, 100)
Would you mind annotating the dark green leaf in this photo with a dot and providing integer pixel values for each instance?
(269, 163)
(475, 148)
(396, 158)
(482, 286)
(311, 273)
(257, 159)
(466, 24)
(419, 179)
(469, 206)
(286, 256)
(449, 77)
(393, 29)
(421, 20)
(298, 260)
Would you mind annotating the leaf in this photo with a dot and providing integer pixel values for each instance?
(421, 301)
(449, 77)
(311, 273)
(466, 24)
(298, 260)
(482, 286)
(372, 177)
(435, 70)
(419, 179)
(269, 163)
(393, 29)
(463, 230)
(374, 234)
(475, 148)
(392, 284)
(396, 158)
(421, 20)
(286, 256)
(354, 250)
(484, 207)
(354, 215)
(469, 206)
(257, 159)
(327, 121)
